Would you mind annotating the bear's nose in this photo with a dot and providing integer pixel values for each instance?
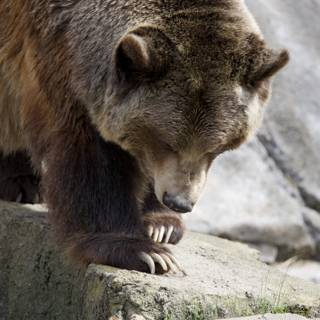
(177, 203)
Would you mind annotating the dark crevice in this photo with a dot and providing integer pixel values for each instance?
(279, 157)
(280, 160)
(314, 232)
(309, 199)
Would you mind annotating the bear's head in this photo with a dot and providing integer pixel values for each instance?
(180, 91)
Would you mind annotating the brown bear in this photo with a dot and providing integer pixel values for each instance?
(122, 107)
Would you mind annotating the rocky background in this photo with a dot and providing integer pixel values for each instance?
(267, 193)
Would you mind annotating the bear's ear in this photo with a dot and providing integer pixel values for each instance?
(271, 61)
(137, 58)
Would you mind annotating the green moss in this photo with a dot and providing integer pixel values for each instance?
(168, 316)
(198, 309)
(197, 313)
(297, 309)
(192, 310)
(263, 306)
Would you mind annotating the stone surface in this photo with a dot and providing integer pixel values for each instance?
(34, 282)
(292, 122)
(225, 279)
(260, 193)
(248, 198)
(304, 269)
(269, 316)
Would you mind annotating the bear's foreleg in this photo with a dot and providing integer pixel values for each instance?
(91, 190)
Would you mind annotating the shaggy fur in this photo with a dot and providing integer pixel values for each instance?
(111, 95)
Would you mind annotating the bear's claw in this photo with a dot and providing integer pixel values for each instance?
(160, 234)
(166, 260)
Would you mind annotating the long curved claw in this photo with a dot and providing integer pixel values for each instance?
(155, 235)
(157, 258)
(170, 264)
(149, 261)
(150, 231)
(168, 235)
(176, 262)
(161, 233)
(166, 260)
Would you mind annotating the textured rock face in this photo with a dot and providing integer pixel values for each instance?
(292, 131)
(34, 282)
(272, 317)
(304, 269)
(247, 198)
(269, 191)
(224, 279)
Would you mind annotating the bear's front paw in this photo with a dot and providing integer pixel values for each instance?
(122, 251)
(164, 227)
(161, 262)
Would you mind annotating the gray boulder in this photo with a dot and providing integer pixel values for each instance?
(292, 132)
(268, 191)
(225, 279)
(247, 198)
(271, 316)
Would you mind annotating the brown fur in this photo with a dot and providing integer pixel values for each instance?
(105, 92)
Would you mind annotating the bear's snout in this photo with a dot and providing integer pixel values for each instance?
(178, 183)
(177, 203)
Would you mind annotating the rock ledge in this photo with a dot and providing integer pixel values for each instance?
(225, 279)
